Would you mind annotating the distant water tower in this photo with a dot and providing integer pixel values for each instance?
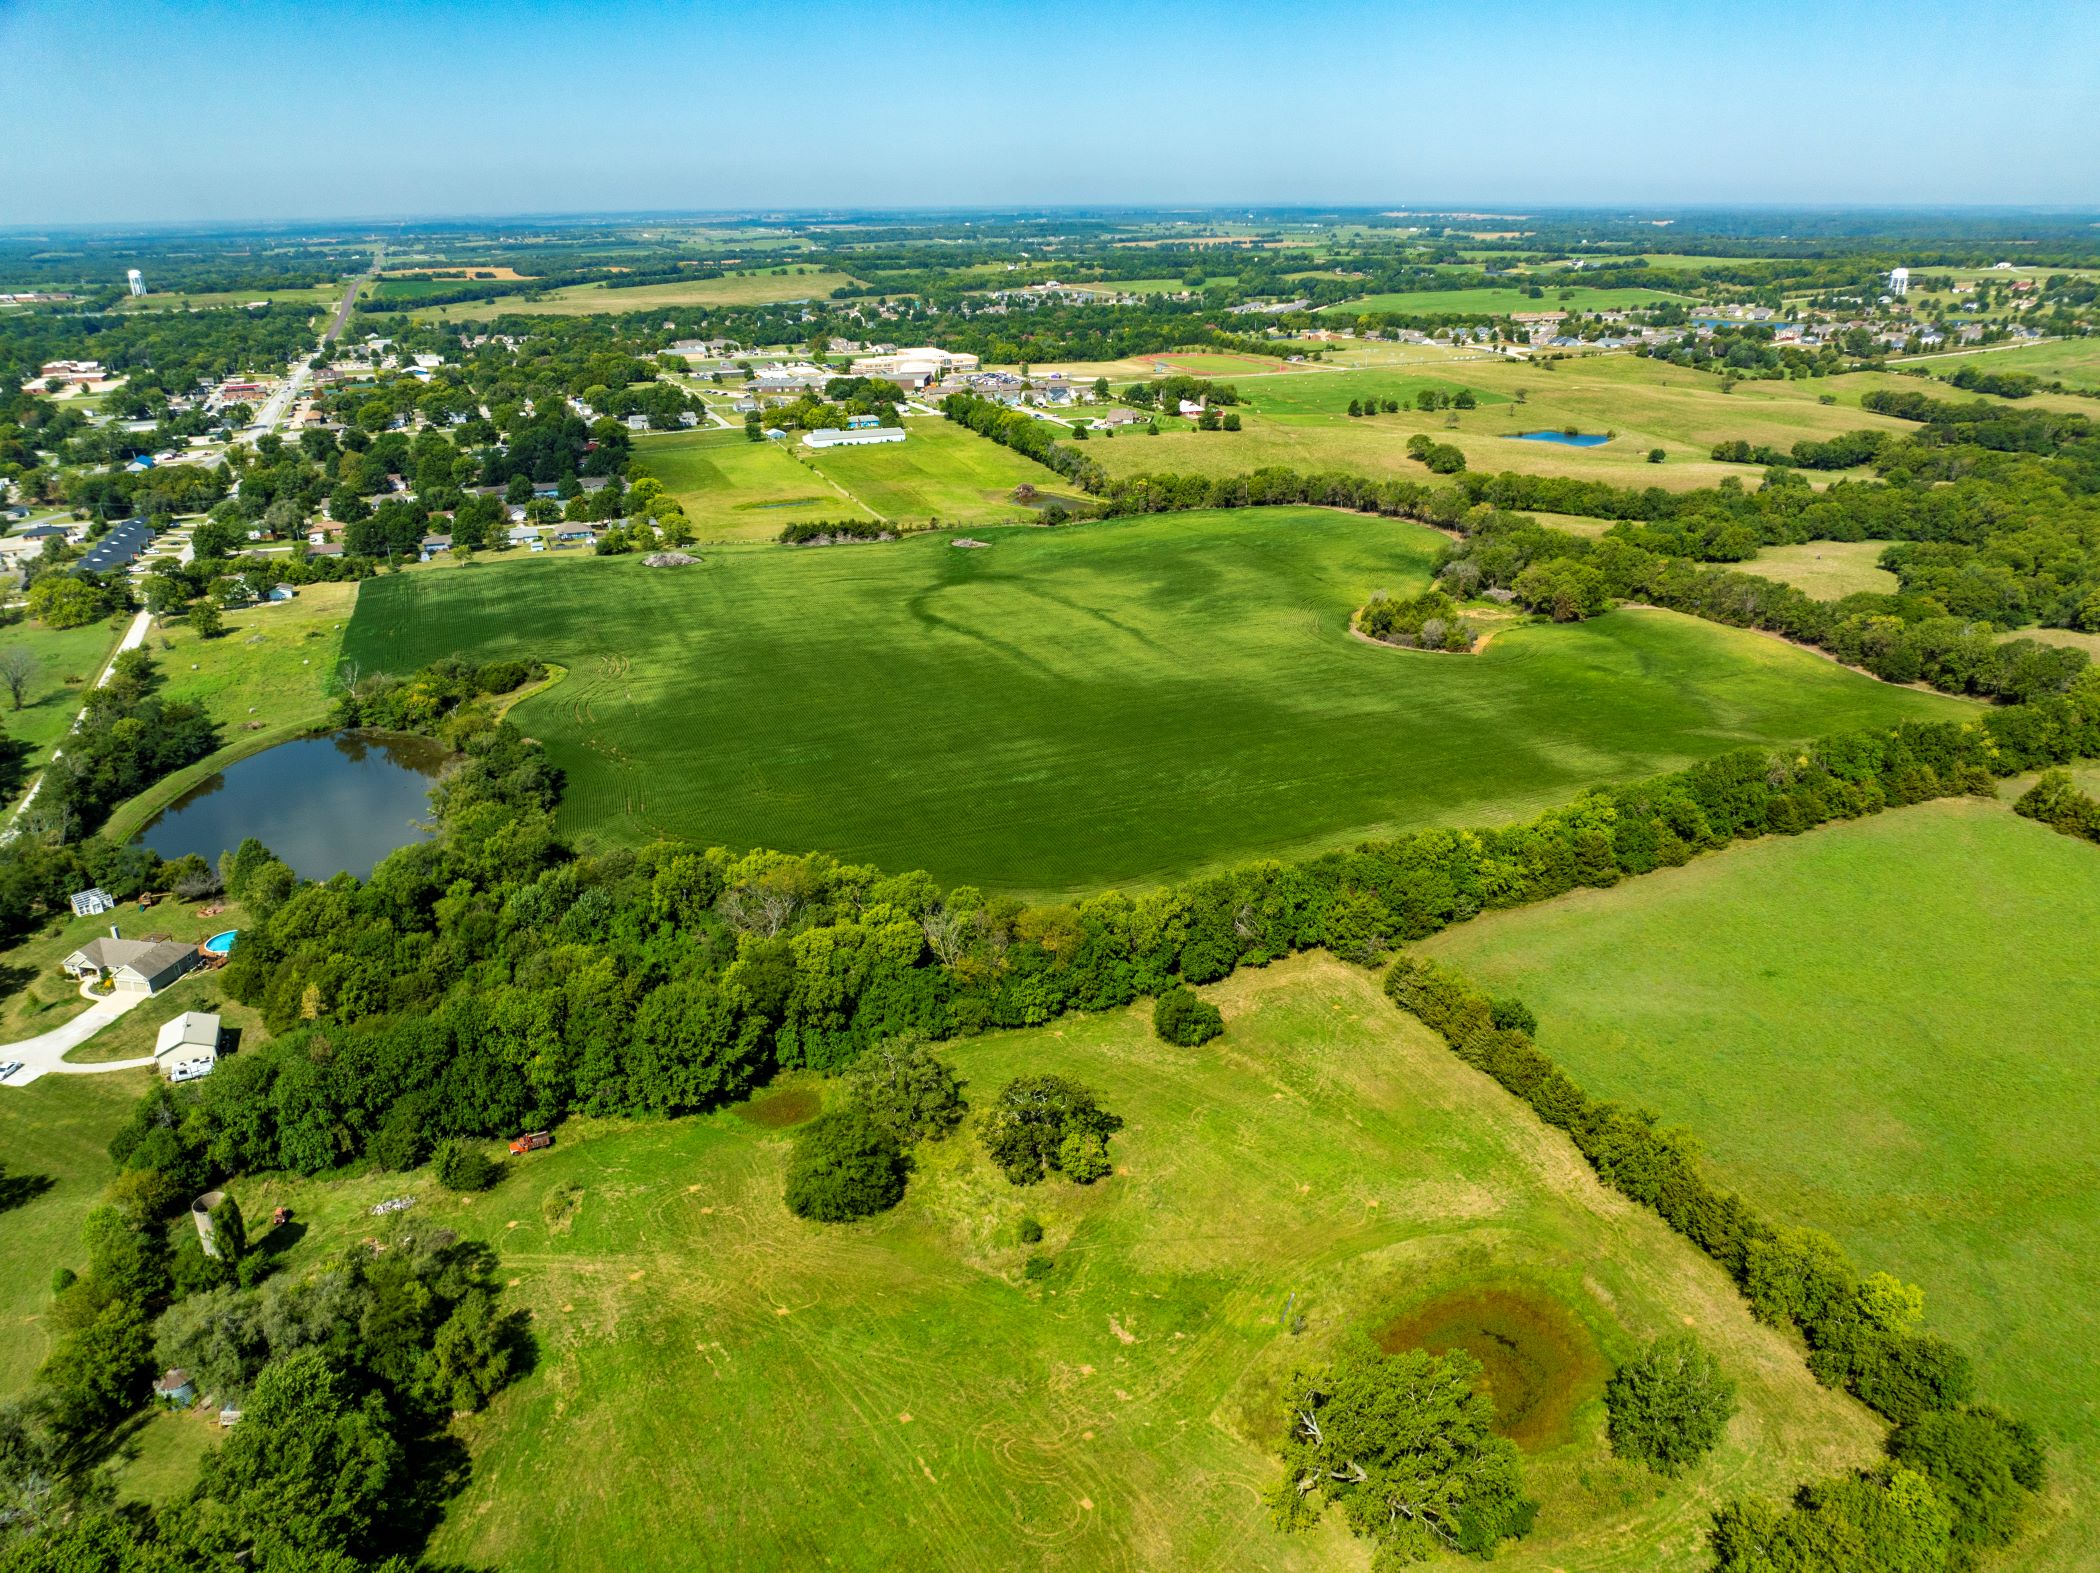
(137, 281)
(1899, 281)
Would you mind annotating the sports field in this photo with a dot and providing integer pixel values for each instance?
(1885, 1029)
(1327, 1157)
(1501, 302)
(1115, 702)
(734, 489)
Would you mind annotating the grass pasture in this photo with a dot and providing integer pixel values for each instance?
(1827, 570)
(734, 489)
(54, 1136)
(1300, 421)
(68, 660)
(2074, 362)
(1108, 703)
(940, 470)
(1118, 1413)
(1884, 1029)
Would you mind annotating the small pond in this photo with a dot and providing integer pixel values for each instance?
(1571, 439)
(326, 805)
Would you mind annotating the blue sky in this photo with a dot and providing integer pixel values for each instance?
(206, 111)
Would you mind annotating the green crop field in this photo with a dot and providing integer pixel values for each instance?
(1327, 1157)
(1499, 301)
(1116, 702)
(1885, 1029)
(1827, 570)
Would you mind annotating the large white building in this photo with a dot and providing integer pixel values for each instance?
(136, 280)
(1899, 281)
(914, 368)
(832, 437)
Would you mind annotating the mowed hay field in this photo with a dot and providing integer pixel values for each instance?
(1827, 570)
(719, 1385)
(734, 489)
(1114, 702)
(1887, 1030)
(1301, 420)
(755, 287)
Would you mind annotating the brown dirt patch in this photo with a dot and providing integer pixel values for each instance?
(1538, 1362)
(777, 1111)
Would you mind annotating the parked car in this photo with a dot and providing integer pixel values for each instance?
(9, 1069)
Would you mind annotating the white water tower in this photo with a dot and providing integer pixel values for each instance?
(137, 281)
(1899, 281)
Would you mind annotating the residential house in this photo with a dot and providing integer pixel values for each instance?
(132, 966)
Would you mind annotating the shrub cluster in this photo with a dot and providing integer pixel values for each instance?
(835, 532)
(1048, 1125)
(1180, 1015)
(1430, 621)
(418, 702)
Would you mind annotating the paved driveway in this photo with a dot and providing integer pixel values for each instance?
(45, 1054)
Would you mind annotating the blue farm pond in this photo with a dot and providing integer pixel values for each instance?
(1570, 439)
(326, 805)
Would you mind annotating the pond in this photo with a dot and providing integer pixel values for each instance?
(1572, 439)
(326, 805)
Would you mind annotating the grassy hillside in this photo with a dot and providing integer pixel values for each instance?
(1885, 1029)
(1117, 702)
(54, 1136)
(720, 1385)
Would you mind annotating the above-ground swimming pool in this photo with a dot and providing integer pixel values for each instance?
(1574, 439)
(222, 942)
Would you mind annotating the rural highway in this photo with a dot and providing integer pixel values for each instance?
(294, 385)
